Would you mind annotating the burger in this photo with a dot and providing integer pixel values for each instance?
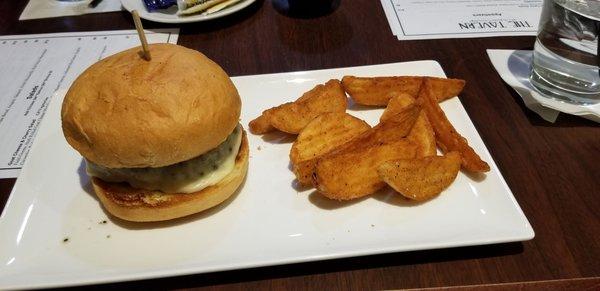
(161, 138)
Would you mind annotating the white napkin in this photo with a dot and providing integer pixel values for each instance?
(514, 67)
(53, 8)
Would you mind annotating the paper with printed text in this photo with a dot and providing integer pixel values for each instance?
(435, 19)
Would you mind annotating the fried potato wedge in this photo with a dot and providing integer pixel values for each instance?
(421, 179)
(446, 135)
(379, 90)
(292, 117)
(396, 104)
(322, 135)
(353, 174)
(350, 171)
(262, 124)
(445, 88)
(394, 128)
(422, 133)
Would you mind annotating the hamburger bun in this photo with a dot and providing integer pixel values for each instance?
(126, 115)
(126, 112)
(125, 202)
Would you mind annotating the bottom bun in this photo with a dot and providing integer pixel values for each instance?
(125, 202)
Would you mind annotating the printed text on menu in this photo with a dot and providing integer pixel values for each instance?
(431, 19)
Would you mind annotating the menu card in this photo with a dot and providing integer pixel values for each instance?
(37, 65)
(434, 19)
(54, 8)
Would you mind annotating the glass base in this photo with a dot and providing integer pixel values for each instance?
(551, 90)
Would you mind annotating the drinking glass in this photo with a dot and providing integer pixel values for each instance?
(565, 55)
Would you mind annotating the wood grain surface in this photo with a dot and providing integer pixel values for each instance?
(552, 169)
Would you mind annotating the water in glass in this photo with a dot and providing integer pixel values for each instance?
(565, 56)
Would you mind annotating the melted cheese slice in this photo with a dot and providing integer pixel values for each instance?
(185, 177)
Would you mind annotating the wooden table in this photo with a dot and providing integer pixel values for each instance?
(552, 169)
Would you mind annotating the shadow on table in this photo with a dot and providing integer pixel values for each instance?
(322, 267)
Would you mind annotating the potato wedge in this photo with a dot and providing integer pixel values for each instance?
(394, 128)
(422, 133)
(445, 88)
(396, 104)
(446, 136)
(421, 179)
(353, 174)
(292, 118)
(322, 135)
(350, 171)
(379, 90)
(262, 124)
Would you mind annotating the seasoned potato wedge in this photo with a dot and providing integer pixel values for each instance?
(396, 104)
(422, 136)
(421, 179)
(292, 117)
(262, 124)
(322, 135)
(379, 90)
(350, 171)
(446, 136)
(422, 133)
(353, 174)
(394, 128)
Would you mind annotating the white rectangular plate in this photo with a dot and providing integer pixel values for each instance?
(267, 222)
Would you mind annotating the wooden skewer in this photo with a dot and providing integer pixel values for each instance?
(142, 35)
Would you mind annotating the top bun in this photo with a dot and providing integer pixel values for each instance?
(126, 112)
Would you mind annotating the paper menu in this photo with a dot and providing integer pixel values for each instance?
(35, 66)
(54, 8)
(435, 19)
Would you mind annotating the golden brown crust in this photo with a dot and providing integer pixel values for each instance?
(379, 90)
(125, 112)
(132, 204)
